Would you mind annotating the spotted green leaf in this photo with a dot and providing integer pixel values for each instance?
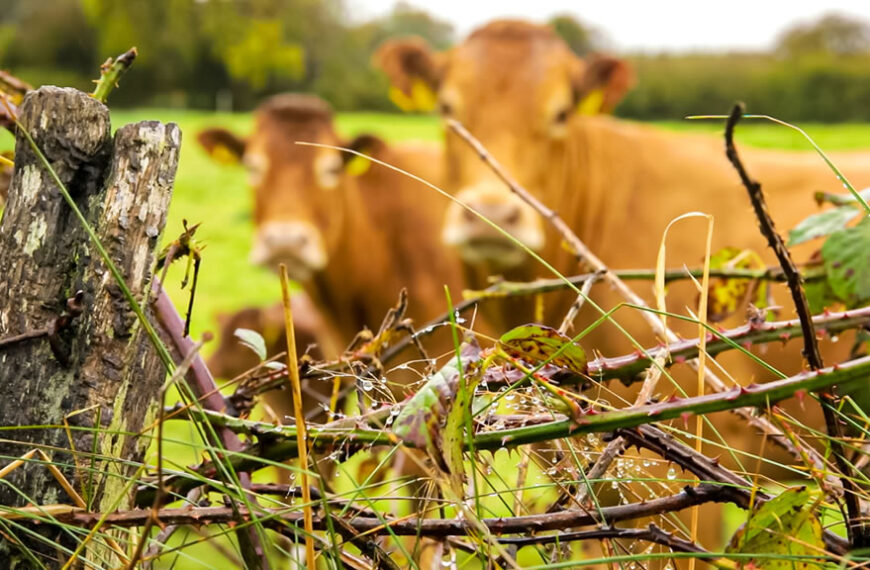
(537, 343)
(786, 526)
(846, 254)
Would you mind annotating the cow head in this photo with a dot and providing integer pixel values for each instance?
(297, 189)
(515, 86)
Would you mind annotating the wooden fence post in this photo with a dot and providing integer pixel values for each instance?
(94, 367)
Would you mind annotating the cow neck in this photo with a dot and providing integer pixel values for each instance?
(592, 198)
(343, 291)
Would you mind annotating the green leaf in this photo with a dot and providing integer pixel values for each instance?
(846, 255)
(819, 295)
(453, 435)
(422, 417)
(537, 343)
(787, 525)
(822, 224)
(253, 340)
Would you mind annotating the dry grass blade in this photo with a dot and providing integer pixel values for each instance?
(301, 436)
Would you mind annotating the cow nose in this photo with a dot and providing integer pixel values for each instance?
(507, 216)
(477, 239)
(298, 245)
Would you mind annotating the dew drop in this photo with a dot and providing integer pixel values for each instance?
(672, 474)
(367, 385)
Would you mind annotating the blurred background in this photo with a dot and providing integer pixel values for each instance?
(802, 63)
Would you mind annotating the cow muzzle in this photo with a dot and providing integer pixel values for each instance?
(479, 242)
(298, 245)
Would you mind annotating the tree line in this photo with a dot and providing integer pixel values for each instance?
(229, 54)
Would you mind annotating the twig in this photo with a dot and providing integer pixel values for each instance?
(284, 520)
(521, 289)
(12, 91)
(708, 470)
(775, 241)
(629, 366)
(110, 72)
(568, 321)
(652, 534)
(857, 528)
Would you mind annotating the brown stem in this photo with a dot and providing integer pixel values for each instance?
(201, 381)
(652, 534)
(282, 519)
(858, 531)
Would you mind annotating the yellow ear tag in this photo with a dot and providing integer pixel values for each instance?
(401, 100)
(423, 96)
(592, 103)
(357, 166)
(224, 155)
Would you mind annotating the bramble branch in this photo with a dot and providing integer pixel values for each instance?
(859, 531)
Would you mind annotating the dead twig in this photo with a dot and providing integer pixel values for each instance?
(289, 521)
(652, 534)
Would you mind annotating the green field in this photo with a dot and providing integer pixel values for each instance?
(216, 195)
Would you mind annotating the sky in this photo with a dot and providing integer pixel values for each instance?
(645, 25)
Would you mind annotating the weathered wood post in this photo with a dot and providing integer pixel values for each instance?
(97, 370)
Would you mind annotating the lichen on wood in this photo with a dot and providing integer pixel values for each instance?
(102, 366)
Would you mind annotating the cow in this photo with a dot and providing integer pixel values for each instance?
(353, 233)
(518, 89)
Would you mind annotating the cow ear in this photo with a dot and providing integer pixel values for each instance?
(602, 84)
(414, 72)
(222, 145)
(367, 144)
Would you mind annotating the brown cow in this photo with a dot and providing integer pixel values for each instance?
(515, 86)
(353, 239)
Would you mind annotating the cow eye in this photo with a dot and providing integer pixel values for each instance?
(562, 116)
(445, 108)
